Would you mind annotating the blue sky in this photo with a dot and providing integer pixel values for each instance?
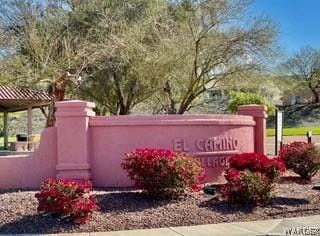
(298, 20)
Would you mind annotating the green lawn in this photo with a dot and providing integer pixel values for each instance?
(11, 139)
(296, 131)
(14, 139)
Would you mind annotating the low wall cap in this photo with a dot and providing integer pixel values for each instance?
(173, 120)
(252, 107)
(75, 103)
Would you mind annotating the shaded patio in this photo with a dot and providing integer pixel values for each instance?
(14, 100)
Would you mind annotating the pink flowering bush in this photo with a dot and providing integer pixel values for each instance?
(301, 157)
(67, 198)
(250, 178)
(255, 162)
(163, 173)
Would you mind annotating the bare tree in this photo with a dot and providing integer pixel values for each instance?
(305, 66)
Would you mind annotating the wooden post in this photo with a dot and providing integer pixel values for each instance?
(5, 130)
(29, 122)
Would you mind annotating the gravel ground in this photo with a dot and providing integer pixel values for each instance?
(128, 209)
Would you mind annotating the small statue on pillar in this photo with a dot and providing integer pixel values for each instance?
(57, 90)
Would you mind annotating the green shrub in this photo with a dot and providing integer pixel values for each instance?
(242, 98)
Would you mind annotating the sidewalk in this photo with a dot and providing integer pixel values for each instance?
(309, 225)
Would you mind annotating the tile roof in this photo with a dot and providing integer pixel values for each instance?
(11, 93)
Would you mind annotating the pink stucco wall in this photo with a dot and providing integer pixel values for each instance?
(27, 171)
(85, 146)
(112, 137)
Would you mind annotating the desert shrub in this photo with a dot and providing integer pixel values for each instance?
(246, 98)
(250, 178)
(255, 162)
(301, 157)
(163, 173)
(67, 198)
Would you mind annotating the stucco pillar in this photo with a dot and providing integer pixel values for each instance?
(72, 122)
(259, 112)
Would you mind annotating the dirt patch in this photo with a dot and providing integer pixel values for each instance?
(129, 209)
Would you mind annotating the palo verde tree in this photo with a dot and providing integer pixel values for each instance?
(35, 44)
(114, 45)
(37, 48)
(215, 41)
(305, 66)
(128, 46)
(164, 52)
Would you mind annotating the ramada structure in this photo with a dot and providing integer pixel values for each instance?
(85, 146)
(14, 100)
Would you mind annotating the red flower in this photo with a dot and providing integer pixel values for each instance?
(250, 177)
(160, 171)
(303, 158)
(68, 198)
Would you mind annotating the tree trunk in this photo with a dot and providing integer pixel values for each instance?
(171, 107)
(316, 95)
(316, 98)
(184, 106)
(124, 110)
(51, 118)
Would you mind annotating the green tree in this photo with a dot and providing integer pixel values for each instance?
(168, 53)
(246, 98)
(43, 38)
(35, 45)
(215, 41)
(130, 64)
